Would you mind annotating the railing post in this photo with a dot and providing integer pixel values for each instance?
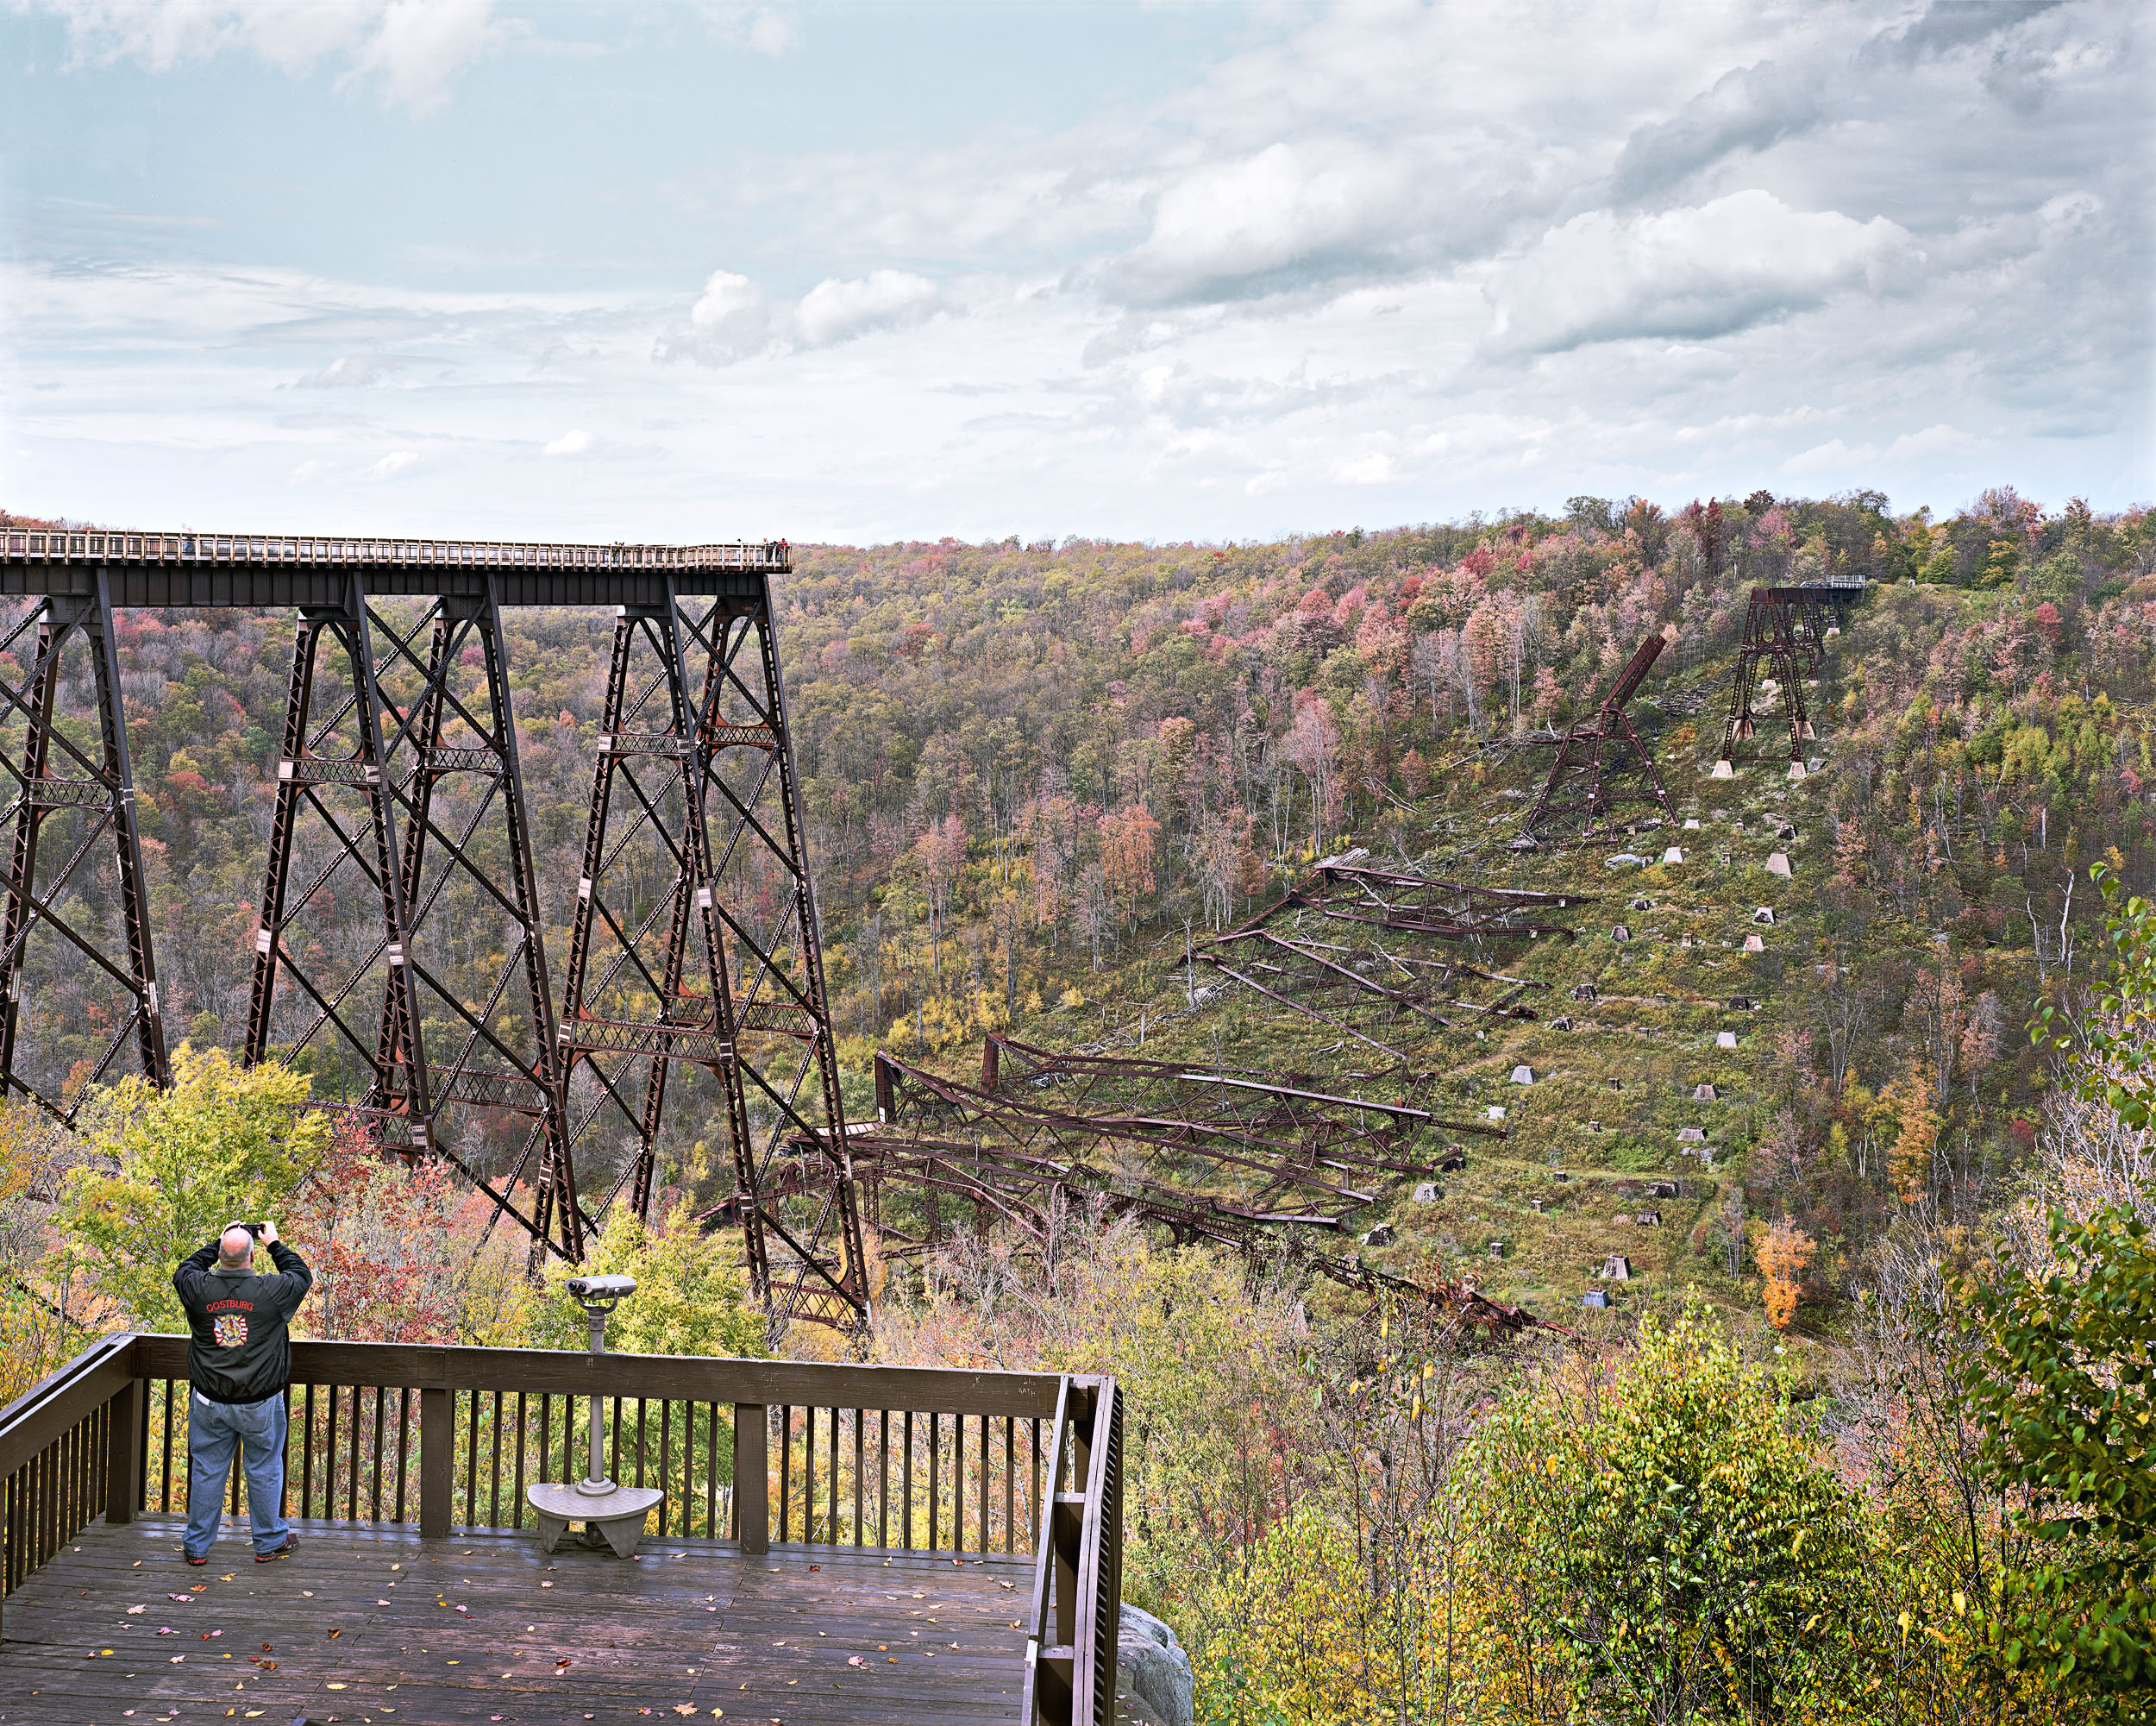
(752, 1482)
(123, 1452)
(437, 1461)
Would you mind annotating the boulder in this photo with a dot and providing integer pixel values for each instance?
(1691, 1135)
(1764, 916)
(1754, 944)
(1674, 855)
(1152, 1670)
(1380, 1236)
(1778, 864)
(1428, 1193)
(1691, 824)
(1620, 933)
(1725, 1039)
(1704, 1093)
(1523, 1075)
(1616, 1269)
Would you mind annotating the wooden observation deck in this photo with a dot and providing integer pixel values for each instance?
(838, 1544)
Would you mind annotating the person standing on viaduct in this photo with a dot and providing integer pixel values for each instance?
(239, 1360)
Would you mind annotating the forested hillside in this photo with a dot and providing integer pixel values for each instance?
(1737, 1117)
(1034, 773)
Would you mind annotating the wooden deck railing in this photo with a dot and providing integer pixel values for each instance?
(746, 1452)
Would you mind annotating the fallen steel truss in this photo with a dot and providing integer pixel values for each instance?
(401, 949)
(1372, 953)
(1046, 1135)
(1601, 767)
(1785, 632)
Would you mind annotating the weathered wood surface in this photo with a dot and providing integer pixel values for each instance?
(366, 1627)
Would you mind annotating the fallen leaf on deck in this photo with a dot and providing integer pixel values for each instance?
(333, 1686)
(856, 1660)
(135, 1611)
(336, 1633)
(685, 1708)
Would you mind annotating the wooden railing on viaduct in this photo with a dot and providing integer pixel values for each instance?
(746, 1451)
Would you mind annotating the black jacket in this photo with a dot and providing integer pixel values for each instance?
(239, 1352)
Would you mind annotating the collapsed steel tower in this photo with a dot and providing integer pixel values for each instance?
(1601, 766)
(693, 938)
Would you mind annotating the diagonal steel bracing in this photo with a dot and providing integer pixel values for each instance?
(397, 788)
(695, 943)
(75, 861)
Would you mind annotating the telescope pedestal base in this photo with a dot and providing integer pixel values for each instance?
(617, 1515)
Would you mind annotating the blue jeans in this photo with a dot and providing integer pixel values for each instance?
(214, 1430)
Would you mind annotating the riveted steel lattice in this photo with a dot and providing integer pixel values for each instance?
(398, 783)
(695, 943)
(74, 861)
(401, 951)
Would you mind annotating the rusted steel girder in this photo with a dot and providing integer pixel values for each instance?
(1367, 952)
(1201, 1150)
(1378, 983)
(1601, 766)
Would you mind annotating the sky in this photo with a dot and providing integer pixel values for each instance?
(885, 270)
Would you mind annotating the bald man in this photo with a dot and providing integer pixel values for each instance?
(240, 1361)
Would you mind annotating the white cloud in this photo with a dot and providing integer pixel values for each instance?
(1235, 227)
(414, 46)
(420, 44)
(395, 462)
(571, 443)
(732, 317)
(835, 310)
(1693, 273)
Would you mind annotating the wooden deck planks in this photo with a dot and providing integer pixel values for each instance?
(687, 1623)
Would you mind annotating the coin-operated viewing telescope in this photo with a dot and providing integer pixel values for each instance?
(612, 1514)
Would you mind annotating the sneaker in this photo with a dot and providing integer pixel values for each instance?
(191, 1558)
(291, 1546)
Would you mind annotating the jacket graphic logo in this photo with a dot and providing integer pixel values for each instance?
(230, 1330)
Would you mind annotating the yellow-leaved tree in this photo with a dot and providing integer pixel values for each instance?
(165, 1170)
(1784, 1254)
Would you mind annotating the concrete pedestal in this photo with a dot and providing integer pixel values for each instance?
(618, 1516)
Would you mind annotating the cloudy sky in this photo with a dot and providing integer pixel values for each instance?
(875, 270)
